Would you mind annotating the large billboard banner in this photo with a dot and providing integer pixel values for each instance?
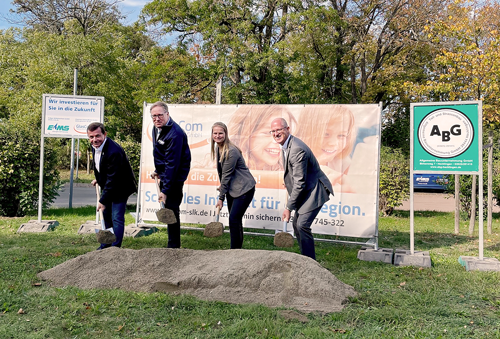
(344, 138)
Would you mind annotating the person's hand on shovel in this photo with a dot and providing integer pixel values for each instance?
(286, 215)
(154, 175)
(162, 197)
(219, 204)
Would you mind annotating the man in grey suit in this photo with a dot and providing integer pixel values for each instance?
(307, 186)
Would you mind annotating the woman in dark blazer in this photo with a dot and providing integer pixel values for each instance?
(236, 182)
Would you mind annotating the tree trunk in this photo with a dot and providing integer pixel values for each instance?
(354, 94)
(472, 221)
(490, 180)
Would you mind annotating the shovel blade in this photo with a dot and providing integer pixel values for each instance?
(105, 237)
(166, 216)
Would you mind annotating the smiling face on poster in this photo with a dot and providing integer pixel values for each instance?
(344, 138)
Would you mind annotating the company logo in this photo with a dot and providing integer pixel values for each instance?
(60, 128)
(445, 133)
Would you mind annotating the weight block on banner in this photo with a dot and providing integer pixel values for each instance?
(33, 226)
(418, 258)
(136, 232)
(475, 264)
(89, 227)
(385, 255)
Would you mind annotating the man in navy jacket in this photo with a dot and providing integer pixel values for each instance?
(114, 175)
(172, 163)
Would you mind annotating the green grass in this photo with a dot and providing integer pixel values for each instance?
(444, 301)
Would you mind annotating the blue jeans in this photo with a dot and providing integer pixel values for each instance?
(114, 216)
(237, 208)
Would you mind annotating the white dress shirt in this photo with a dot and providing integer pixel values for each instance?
(98, 152)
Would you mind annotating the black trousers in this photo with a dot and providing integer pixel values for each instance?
(173, 202)
(237, 208)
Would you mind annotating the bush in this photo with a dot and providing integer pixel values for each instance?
(394, 179)
(20, 171)
(133, 151)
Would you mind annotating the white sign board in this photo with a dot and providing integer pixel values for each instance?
(67, 116)
(344, 138)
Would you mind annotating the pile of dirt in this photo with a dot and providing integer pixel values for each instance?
(271, 278)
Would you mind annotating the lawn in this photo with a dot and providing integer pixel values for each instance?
(444, 301)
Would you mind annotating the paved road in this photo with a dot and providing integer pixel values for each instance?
(83, 195)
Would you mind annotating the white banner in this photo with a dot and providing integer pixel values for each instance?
(67, 116)
(344, 138)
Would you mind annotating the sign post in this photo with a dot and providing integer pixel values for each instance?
(446, 138)
(66, 116)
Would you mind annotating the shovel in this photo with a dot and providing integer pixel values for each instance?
(214, 228)
(104, 235)
(164, 214)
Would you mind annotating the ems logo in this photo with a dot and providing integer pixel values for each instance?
(445, 133)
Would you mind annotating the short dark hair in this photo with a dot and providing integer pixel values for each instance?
(95, 125)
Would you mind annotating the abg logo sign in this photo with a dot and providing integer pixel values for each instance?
(445, 133)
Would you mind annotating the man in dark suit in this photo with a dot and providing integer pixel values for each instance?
(307, 186)
(172, 163)
(114, 175)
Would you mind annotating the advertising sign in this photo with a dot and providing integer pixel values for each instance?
(344, 138)
(67, 116)
(446, 138)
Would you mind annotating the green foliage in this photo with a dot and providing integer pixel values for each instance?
(19, 171)
(394, 185)
(133, 151)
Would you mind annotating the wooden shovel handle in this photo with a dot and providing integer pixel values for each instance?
(158, 192)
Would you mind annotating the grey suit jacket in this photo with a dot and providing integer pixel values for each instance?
(235, 178)
(307, 185)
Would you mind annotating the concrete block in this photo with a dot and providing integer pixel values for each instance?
(136, 232)
(33, 226)
(418, 258)
(385, 255)
(475, 264)
(89, 227)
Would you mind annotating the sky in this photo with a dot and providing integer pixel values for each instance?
(129, 8)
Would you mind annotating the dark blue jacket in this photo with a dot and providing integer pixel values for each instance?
(115, 177)
(172, 156)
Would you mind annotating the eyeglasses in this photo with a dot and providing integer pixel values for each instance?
(274, 131)
(157, 116)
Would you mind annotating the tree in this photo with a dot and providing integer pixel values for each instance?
(467, 66)
(53, 16)
(237, 38)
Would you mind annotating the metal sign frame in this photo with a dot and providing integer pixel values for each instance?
(442, 158)
(43, 134)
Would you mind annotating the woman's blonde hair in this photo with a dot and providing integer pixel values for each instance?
(314, 120)
(224, 150)
(250, 118)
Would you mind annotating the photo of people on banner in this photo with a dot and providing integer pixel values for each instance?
(345, 140)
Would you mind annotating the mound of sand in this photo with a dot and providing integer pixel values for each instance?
(271, 278)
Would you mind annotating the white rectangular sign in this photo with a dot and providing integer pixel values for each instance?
(67, 116)
(344, 138)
